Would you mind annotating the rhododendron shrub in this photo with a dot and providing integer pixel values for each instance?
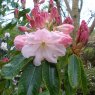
(48, 58)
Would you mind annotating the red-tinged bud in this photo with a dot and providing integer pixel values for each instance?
(23, 29)
(83, 33)
(35, 11)
(23, 2)
(16, 13)
(58, 19)
(68, 20)
(40, 22)
(5, 60)
(51, 4)
(28, 17)
(32, 23)
(54, 12)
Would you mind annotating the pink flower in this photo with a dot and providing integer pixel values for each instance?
(83, 33)
(44, 44)
(20, 41)
(65, 28)
(23, 29)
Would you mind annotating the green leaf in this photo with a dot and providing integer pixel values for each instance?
(51, 78)
(12, 69)
(30, 80)
(83, 79)
(68, 89)
(74, 71)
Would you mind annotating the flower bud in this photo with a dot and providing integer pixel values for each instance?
(83, 33)
(23, 29)
(19, 41)
(68, 20)
(16, 13)
(23, 2)
(5, 60)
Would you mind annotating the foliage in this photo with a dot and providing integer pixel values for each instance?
(19, 75)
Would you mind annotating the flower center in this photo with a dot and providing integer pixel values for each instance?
(43, 44)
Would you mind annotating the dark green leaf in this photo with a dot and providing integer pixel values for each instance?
(11, 69)
(30, 81)
(68, 89)
(74, 71)
(83, 79)
(51, 78)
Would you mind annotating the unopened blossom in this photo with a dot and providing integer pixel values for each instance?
(20, 41)
(16, 13)
(68, 20)
(83, 33)
(65, 28)
(5, 59)
(23, 29)
(42, 44)
(28, 17)
(54, 12)
(35, 11)
(23, 2)
(4, 46)
(7, 34)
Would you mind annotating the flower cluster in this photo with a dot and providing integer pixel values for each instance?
(48, 38)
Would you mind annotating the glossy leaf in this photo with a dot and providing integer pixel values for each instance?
(51, 78)
(83, 79)
(74, 71)
(30, 80)
(68, 89)
(11, 69)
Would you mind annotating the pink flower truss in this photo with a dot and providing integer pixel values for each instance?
(43, 44)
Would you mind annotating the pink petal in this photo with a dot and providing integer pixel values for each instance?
(29, 50)
(48, 55)
(38, 57)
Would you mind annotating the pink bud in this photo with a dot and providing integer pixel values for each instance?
(16, 13)
(28, 17)
(23, 2)
(68, 20)
(35, 10)
(67, 40)
(58, 19)
(20, 41)
(32, 23)
(39, 20)
(51, 2)
(83, 33)
(5, 60)
(65, 28)
(54, 12)
(23, 29)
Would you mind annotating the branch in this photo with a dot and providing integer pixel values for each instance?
(92, 26)
(68, 7)
(81, 5)
(59, 8)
